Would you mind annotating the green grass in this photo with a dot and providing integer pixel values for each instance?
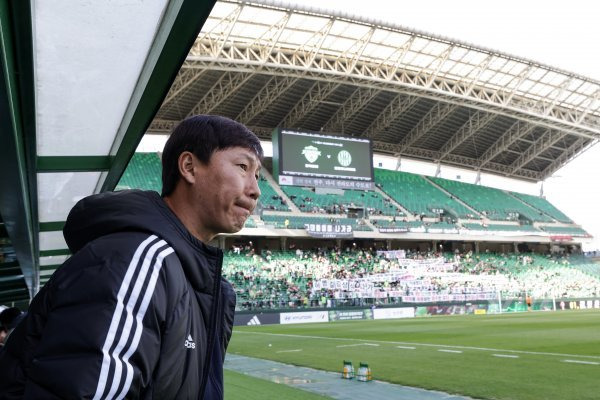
(541, 340)
(240, 386)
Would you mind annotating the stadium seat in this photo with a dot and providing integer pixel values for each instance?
(143, 172)
(372, 202)
(493, 203)
(269, 199)
(418, 195)
(543, 205)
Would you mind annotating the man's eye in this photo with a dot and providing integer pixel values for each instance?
(243, 166)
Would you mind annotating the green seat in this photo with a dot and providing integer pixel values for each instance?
(543, 205)
(269, 199)
(143, 172)
(371, 201)
(418, 195)
(495, 204)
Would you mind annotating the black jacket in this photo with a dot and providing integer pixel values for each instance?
(139, 311)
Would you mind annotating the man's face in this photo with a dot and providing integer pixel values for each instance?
(226, 190)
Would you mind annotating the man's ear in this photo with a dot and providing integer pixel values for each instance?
(185, 163)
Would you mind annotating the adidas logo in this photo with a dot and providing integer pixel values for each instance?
(189, 343)
(254, 321)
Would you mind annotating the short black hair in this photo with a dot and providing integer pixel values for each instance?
(8, 317)
(202, 135)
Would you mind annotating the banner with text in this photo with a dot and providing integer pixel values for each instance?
(329, 230)
(304, 317)
(392, 313)
(256, 319)
(349, 315)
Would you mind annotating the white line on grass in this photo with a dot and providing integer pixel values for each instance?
(406, 347)
(358, 344)
(505, 356)
(288, 351)
(581, 362)
(449, 351)
(421, 344)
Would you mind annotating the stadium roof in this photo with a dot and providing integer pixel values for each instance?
(270, 64)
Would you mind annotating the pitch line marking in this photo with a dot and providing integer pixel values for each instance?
(505, 356)
(422, 344)
(358, 344)
(406, 347)
(450, 351)
(581, 362)
(288, 351)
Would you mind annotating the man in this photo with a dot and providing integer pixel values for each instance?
(140, 310)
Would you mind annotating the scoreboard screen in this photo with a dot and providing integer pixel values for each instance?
(307, 154)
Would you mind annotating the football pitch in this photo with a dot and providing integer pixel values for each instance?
(537, 355)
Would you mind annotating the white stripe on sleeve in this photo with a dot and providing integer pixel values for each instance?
(139, 317)
(116, 318)
(138, 289)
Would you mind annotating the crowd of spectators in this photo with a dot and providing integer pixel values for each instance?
(353, 276)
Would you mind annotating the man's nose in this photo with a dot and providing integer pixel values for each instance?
(253, 190)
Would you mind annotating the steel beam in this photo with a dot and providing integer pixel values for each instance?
(161, 126)
(516, 131)
(184, 79)
(542, 144)
(571, 152)
(225, 87)
(350, 58)
(351, 107)
(318, 92)
(429, 121)
(475, 122)
(398, 106)
(275, 87)
(499, 98)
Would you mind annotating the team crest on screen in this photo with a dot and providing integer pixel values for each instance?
(344, 158)
(311, 153)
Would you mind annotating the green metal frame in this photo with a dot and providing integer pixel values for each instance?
(180, 27)
(18, 195)
(51, 226)
(73, 163)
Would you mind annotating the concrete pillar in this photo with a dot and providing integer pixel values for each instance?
(515, 247)
(283, 243)
(222, 242)
(476, 247)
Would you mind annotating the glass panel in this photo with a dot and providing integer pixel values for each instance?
(52, 241)
(53, 260)
(58, 193)
(79, 113)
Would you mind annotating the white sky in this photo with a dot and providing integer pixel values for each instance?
(563, 34)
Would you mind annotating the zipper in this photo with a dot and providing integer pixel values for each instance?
(213, 323)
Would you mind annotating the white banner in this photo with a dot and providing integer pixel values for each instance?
(304, 317)
(391, 313)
